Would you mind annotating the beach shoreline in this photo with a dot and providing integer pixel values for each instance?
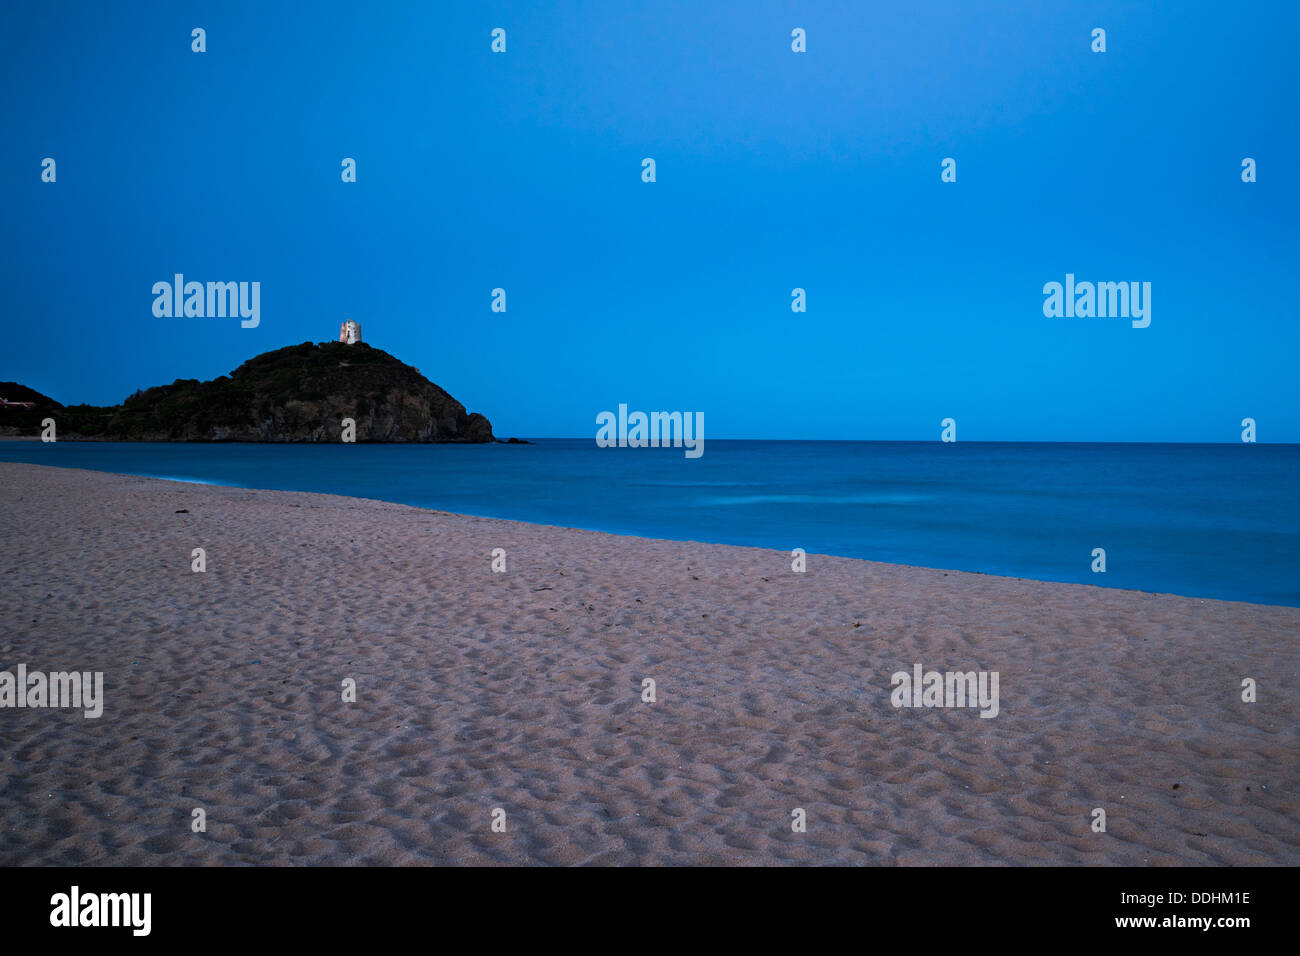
(523, 691)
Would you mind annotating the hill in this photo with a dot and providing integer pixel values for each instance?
(300, 393)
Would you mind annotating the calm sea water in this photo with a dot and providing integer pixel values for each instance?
(1216, 521)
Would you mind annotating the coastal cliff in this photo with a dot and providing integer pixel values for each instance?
(300, 393)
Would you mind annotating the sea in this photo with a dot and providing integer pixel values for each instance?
(1210, 521)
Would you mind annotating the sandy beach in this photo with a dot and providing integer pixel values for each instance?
(522, 691)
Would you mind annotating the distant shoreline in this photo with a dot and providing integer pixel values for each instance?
(589, 438)
(78, 439)
(199, 482)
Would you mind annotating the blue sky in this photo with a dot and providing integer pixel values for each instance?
(775, 170)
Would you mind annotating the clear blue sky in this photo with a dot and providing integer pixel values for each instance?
(775, 170)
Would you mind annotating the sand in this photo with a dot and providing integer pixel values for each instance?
(523, 691)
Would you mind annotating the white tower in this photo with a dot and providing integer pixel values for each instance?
(350, 332)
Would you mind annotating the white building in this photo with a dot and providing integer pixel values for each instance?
(350, 332)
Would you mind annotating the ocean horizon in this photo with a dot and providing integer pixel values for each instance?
(1212, 521)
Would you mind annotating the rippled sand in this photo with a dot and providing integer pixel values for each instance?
(522, 691)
